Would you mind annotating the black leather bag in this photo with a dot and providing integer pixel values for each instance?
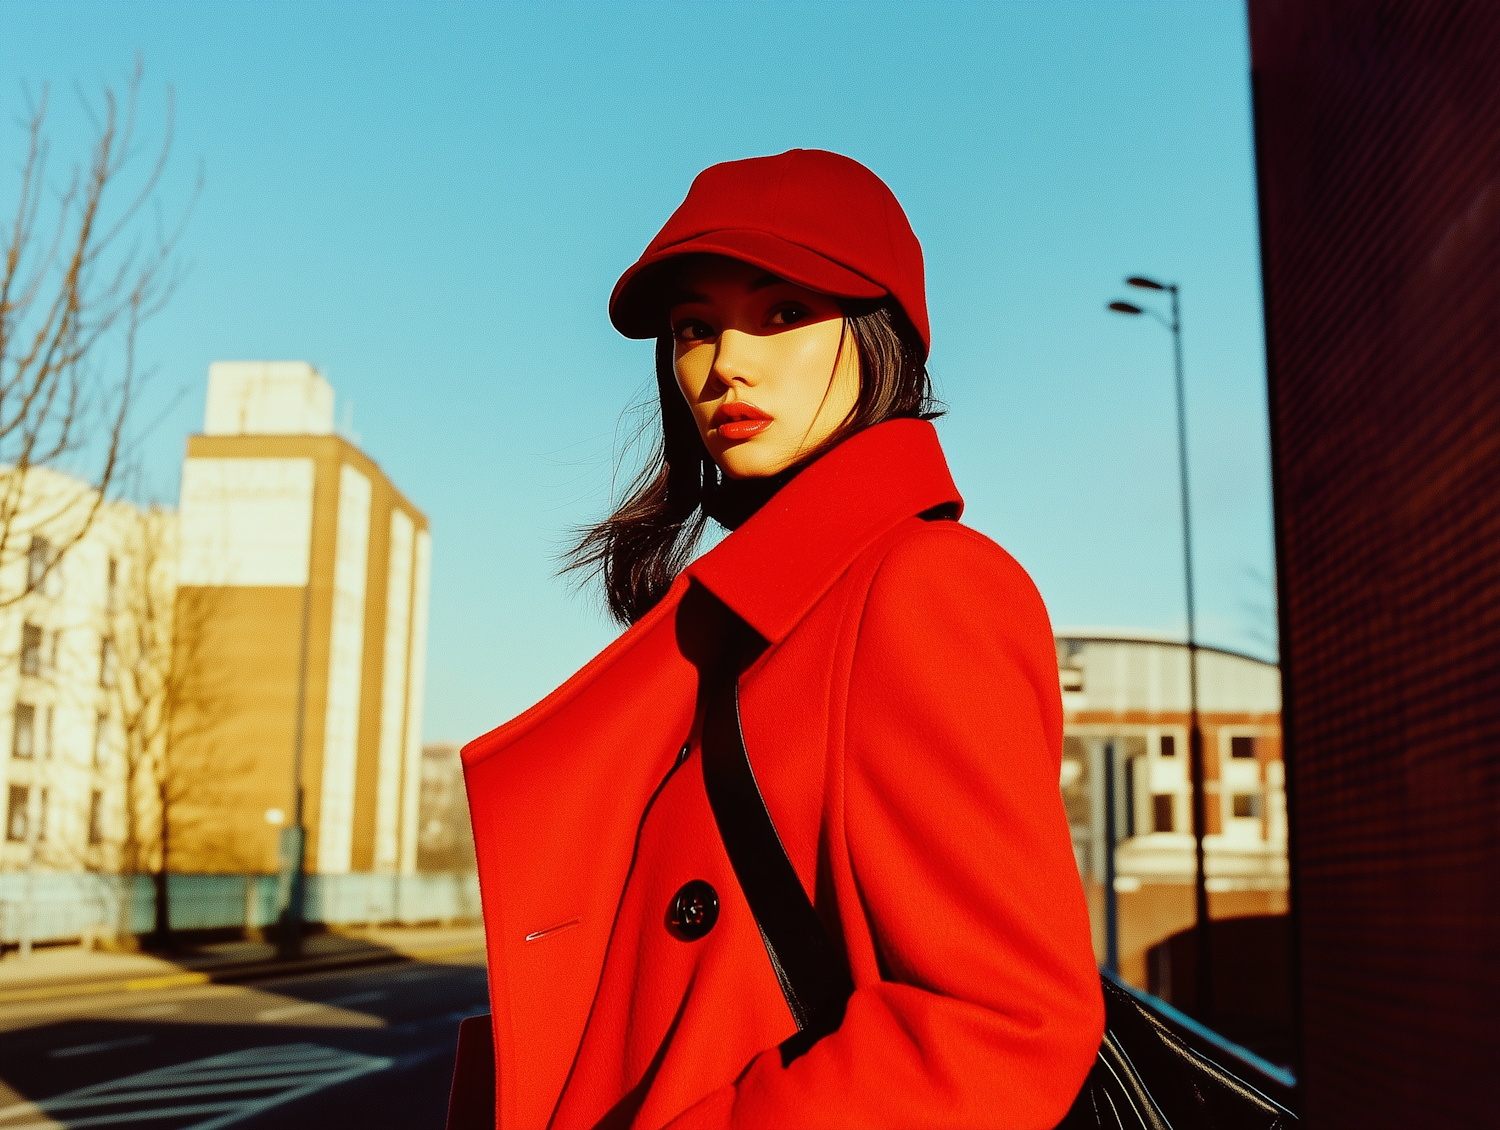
(1145, 1077)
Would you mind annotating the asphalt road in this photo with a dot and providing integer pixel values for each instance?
(367, 1048)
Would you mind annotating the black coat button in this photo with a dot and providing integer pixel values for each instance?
(694, 910)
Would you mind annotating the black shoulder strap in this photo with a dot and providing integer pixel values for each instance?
(814, 977)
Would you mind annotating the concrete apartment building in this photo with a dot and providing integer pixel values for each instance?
(1131, 693)
(70, 664)
(302, 613)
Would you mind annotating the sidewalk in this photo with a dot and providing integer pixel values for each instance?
(73, 970)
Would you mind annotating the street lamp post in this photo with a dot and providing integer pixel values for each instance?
(294, 839)
(1112, 839)
(1201, 936)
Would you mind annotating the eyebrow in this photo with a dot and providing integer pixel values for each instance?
(765, 281)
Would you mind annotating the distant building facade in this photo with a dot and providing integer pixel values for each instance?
(302, 613)
(446, 841)
(1131, 694)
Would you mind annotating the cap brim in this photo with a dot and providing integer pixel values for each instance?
(638, 305)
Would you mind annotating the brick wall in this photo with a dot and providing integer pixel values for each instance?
(1378, 146)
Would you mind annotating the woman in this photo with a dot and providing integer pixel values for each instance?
(899, 701)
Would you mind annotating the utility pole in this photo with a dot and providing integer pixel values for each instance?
(294, 839)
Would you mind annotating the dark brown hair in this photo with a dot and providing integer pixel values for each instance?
(652, 535)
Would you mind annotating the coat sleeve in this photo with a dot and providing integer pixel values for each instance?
(977, 999)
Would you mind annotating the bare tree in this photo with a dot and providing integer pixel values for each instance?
(75, 290)
(166, 700)
(1261, 610)
(141, 614)
(158, 705)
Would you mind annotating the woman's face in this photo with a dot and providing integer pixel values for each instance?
(763, 363)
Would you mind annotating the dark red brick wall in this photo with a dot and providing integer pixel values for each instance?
(1378, 147)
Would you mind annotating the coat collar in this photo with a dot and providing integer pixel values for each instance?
(775, 567)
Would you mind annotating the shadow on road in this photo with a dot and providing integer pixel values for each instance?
(353, 1047)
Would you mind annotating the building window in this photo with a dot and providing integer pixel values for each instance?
(96, 817)
(56, 645)
(23, 740)
(38, 558)
(47, 734)
(1168, 746)
(1242, 748)
(101, 739)
(107, 662)
(1246, 806)
(1161, 812)
(41, 815)
(112, 585)
(31, 649)
(16, 814)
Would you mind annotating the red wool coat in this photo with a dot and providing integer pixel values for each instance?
(905, 725)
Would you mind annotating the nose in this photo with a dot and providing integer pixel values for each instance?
(734, 361)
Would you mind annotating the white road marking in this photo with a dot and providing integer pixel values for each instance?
(103, 1046)
(285, 1012)
(235, 1087)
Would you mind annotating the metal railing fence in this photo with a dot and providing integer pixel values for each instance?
(64, 905)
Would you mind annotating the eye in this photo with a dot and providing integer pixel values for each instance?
(692, 329)
(788, 314)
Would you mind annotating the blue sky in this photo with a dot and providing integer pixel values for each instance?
(431, 201)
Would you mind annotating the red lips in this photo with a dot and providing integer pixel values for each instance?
(738, 420)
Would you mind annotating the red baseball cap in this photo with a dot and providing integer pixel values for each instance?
(814, 218)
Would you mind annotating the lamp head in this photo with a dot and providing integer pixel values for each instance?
(1144, 283)
(1125, 308)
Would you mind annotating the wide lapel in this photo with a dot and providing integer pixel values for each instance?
(774, 568)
